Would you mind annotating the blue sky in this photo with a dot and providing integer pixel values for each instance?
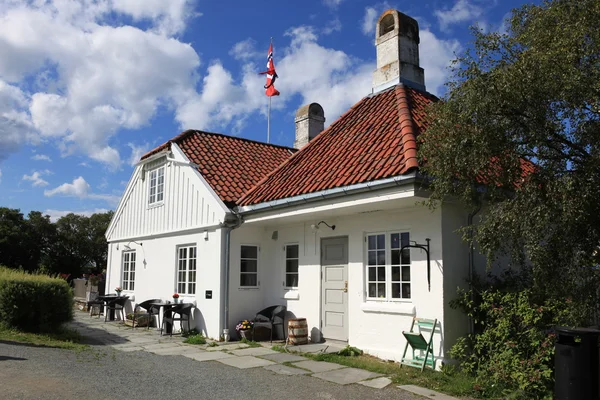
(87, 87)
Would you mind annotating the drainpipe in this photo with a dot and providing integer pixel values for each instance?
(471, 261)
(228, 227)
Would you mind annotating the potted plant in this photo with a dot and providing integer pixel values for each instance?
(118, 290)
(244, 329)
(176, 298)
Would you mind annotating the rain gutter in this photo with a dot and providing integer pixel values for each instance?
(330, 193)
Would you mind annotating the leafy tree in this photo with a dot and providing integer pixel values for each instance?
(519, 132)
(98, 223)
(12, 238)
(40, 239)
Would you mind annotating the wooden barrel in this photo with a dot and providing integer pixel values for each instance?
(297, 331)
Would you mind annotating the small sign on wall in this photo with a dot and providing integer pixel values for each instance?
(209, 294)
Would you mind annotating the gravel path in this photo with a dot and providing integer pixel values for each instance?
(29, 372)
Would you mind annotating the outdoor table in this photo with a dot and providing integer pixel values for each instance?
(165, 309)
(107, 299)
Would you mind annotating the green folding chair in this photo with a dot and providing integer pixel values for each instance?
(415, 339)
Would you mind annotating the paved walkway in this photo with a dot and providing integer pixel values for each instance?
(234, 354)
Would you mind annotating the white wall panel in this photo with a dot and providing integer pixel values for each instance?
(188, 204)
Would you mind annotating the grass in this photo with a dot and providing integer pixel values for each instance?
(64, 338)
(195, 339)
(212, 344)
(450, 382)
(250, 343)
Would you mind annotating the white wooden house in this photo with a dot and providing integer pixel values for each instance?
(236, 225)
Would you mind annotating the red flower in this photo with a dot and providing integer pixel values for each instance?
(176, 295)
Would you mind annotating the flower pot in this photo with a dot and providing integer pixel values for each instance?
(175, 301)
(246, 334)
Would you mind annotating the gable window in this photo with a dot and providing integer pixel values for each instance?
(388, 269)
(186, 270)
(157, 186)
(291, 266)
(128, 270)
(249, 266)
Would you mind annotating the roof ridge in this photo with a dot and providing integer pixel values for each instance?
(236, 138)
(407, 131)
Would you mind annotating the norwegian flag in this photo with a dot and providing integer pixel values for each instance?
(271, 75)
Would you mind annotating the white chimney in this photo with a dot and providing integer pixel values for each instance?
(397, 43)
(310, 121)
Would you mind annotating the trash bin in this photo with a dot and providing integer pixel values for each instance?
(576, 364)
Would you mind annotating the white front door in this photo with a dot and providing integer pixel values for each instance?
(334, 293)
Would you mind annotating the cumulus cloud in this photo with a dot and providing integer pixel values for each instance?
(334, 25)
(56, 214)
(41, 157)
(81, 189)
(369, 20)
(94, 78)
(332, 3)
(245, 50)
(462, 11)
(36, 178)
(137, 152)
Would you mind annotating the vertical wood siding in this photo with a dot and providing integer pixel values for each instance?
(187, 204)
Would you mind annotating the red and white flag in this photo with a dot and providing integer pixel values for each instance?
(271, 75)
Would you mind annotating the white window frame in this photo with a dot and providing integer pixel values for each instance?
(285, 266)
(128, 261)
(159, 188)
(257, 259)
(387, 297)
(186, 274)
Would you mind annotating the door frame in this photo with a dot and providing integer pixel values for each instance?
(321, 286)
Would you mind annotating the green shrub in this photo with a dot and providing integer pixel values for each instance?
(512, 352)
(350, 351)
(195, 339)
(34, 303)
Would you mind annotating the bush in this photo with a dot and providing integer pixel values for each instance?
(34, 303)
(512, 351)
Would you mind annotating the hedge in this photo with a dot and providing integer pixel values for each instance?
(34, 303)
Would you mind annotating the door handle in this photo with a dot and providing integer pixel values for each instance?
(345, 287)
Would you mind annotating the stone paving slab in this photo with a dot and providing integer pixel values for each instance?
(245, 362)
(430, 394)
(253, 351)
(319, 366)
(174, 351)
(283, 357)
(156, 346)
(346, 376)
(208, 355)
(233, 346)
(285, 370)
(377, 383)
(314, 348)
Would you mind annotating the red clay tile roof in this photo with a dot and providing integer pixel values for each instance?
(375, 139)
(230, 165)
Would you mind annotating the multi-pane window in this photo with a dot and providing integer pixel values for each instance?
(186, 270)
(388, 268)
(249, 266)
(291, 266)
(128, 270)
(157, 185)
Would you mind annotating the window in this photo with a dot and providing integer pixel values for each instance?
(186, 270)
(249, 266)
(128, 270)
(388, 269)
(157, 185)
(291, 266)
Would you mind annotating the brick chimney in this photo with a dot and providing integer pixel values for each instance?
(397, 43)
(310, 121)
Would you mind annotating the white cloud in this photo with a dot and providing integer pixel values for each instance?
(137, 152)
(245, 50)
(0, 176)
(41, 157)
(36, 178)
(91, 78)
(332, 3)
(369, 20)
(56, 214)
(436, 55)
(334, 26)
(81, 189)
(462, 11)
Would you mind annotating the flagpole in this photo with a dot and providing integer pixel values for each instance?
(269, 122)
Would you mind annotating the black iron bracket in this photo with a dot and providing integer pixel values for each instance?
(424, 247)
